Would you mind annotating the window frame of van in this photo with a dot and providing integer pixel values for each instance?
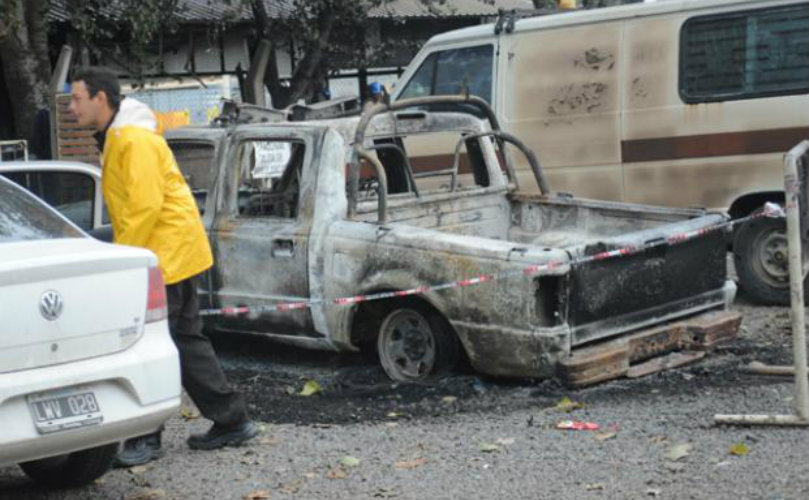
(688, 99)
(436, 53)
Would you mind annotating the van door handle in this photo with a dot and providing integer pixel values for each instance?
(282, 248)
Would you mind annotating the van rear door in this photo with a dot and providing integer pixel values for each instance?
(560, 90)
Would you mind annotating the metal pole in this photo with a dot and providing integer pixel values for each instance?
(59, 76)
(759, 368)
(793, 188)
(785, 420)
(792, 184)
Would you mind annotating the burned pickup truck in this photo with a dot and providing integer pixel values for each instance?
(310, 221)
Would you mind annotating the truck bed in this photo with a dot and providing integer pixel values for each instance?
(596, 299)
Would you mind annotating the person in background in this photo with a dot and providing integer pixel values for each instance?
(376, 94)
(41, 141)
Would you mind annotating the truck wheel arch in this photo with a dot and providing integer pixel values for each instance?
(368, 317)
(746, 204)
(754, 243)
(371, 313)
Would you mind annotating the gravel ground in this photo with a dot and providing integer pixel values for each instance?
(473, 437)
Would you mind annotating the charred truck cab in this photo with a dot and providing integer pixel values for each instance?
(331, 213)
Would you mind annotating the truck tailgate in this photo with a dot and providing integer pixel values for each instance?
(664, 281)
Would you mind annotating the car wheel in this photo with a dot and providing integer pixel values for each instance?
(414, 344)
(761, 258)
(71, 470)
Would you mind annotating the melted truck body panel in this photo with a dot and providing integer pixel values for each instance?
(287, 224)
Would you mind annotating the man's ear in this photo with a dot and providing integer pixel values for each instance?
(102, 96)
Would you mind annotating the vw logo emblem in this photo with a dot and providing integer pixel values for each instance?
(50, 305)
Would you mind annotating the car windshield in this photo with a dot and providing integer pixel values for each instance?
(23, 217)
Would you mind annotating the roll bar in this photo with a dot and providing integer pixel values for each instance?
(359, 152)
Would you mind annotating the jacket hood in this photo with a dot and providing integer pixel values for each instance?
(134, 113)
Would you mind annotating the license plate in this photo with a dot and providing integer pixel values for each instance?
(67, 409)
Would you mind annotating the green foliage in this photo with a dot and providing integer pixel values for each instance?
(310, 388)
(739, 449)
(123, 30)
(9, 21)
(334, 28)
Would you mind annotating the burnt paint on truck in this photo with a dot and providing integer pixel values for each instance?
(522, 326)
(663, 274)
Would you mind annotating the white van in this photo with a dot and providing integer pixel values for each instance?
(677, 102)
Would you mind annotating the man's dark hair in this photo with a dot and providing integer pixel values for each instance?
(97, 79)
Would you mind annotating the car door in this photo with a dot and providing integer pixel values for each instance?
(260, 232)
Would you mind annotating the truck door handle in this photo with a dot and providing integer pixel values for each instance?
(282, 248)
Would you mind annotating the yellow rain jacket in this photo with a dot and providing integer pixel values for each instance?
(148, 200)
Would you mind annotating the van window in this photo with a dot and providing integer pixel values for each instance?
(454, 71)
(745, 54)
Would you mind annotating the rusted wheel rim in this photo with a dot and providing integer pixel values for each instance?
(407, 346)
(771, 257)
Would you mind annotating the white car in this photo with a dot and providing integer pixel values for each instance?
(86, 359)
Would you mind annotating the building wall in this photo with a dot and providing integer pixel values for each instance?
(178, 104)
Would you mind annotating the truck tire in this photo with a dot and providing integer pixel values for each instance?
(760, 255)
(414, 344)
(73, 469)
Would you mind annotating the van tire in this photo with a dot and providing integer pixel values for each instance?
(760, 256)
(73, 469)
(415, 344)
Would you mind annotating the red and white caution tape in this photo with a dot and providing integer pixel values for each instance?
(769, 210)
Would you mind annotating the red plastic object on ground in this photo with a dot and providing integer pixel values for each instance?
(575, 425)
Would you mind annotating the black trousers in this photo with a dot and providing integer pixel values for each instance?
(202, 375)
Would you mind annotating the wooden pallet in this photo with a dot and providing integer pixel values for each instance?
(72, 141)
(651, 350)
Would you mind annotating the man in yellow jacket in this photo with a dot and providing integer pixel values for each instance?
(151, 206)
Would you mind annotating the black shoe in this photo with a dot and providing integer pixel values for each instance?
(219, 436)
(138, 451)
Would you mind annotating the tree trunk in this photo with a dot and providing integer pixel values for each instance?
(26, 67)
(309, 74)
(36, 16)
(278, 93)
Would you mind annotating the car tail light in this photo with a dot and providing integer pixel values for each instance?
(156, 306)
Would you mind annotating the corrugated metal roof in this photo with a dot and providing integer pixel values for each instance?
(190, 11)
(450, 8)
(206, 11)
(212, 11)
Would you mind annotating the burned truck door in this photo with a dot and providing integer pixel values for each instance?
(261, 236)
(197, 152)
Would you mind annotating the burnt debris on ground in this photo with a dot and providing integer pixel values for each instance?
(354, 389)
